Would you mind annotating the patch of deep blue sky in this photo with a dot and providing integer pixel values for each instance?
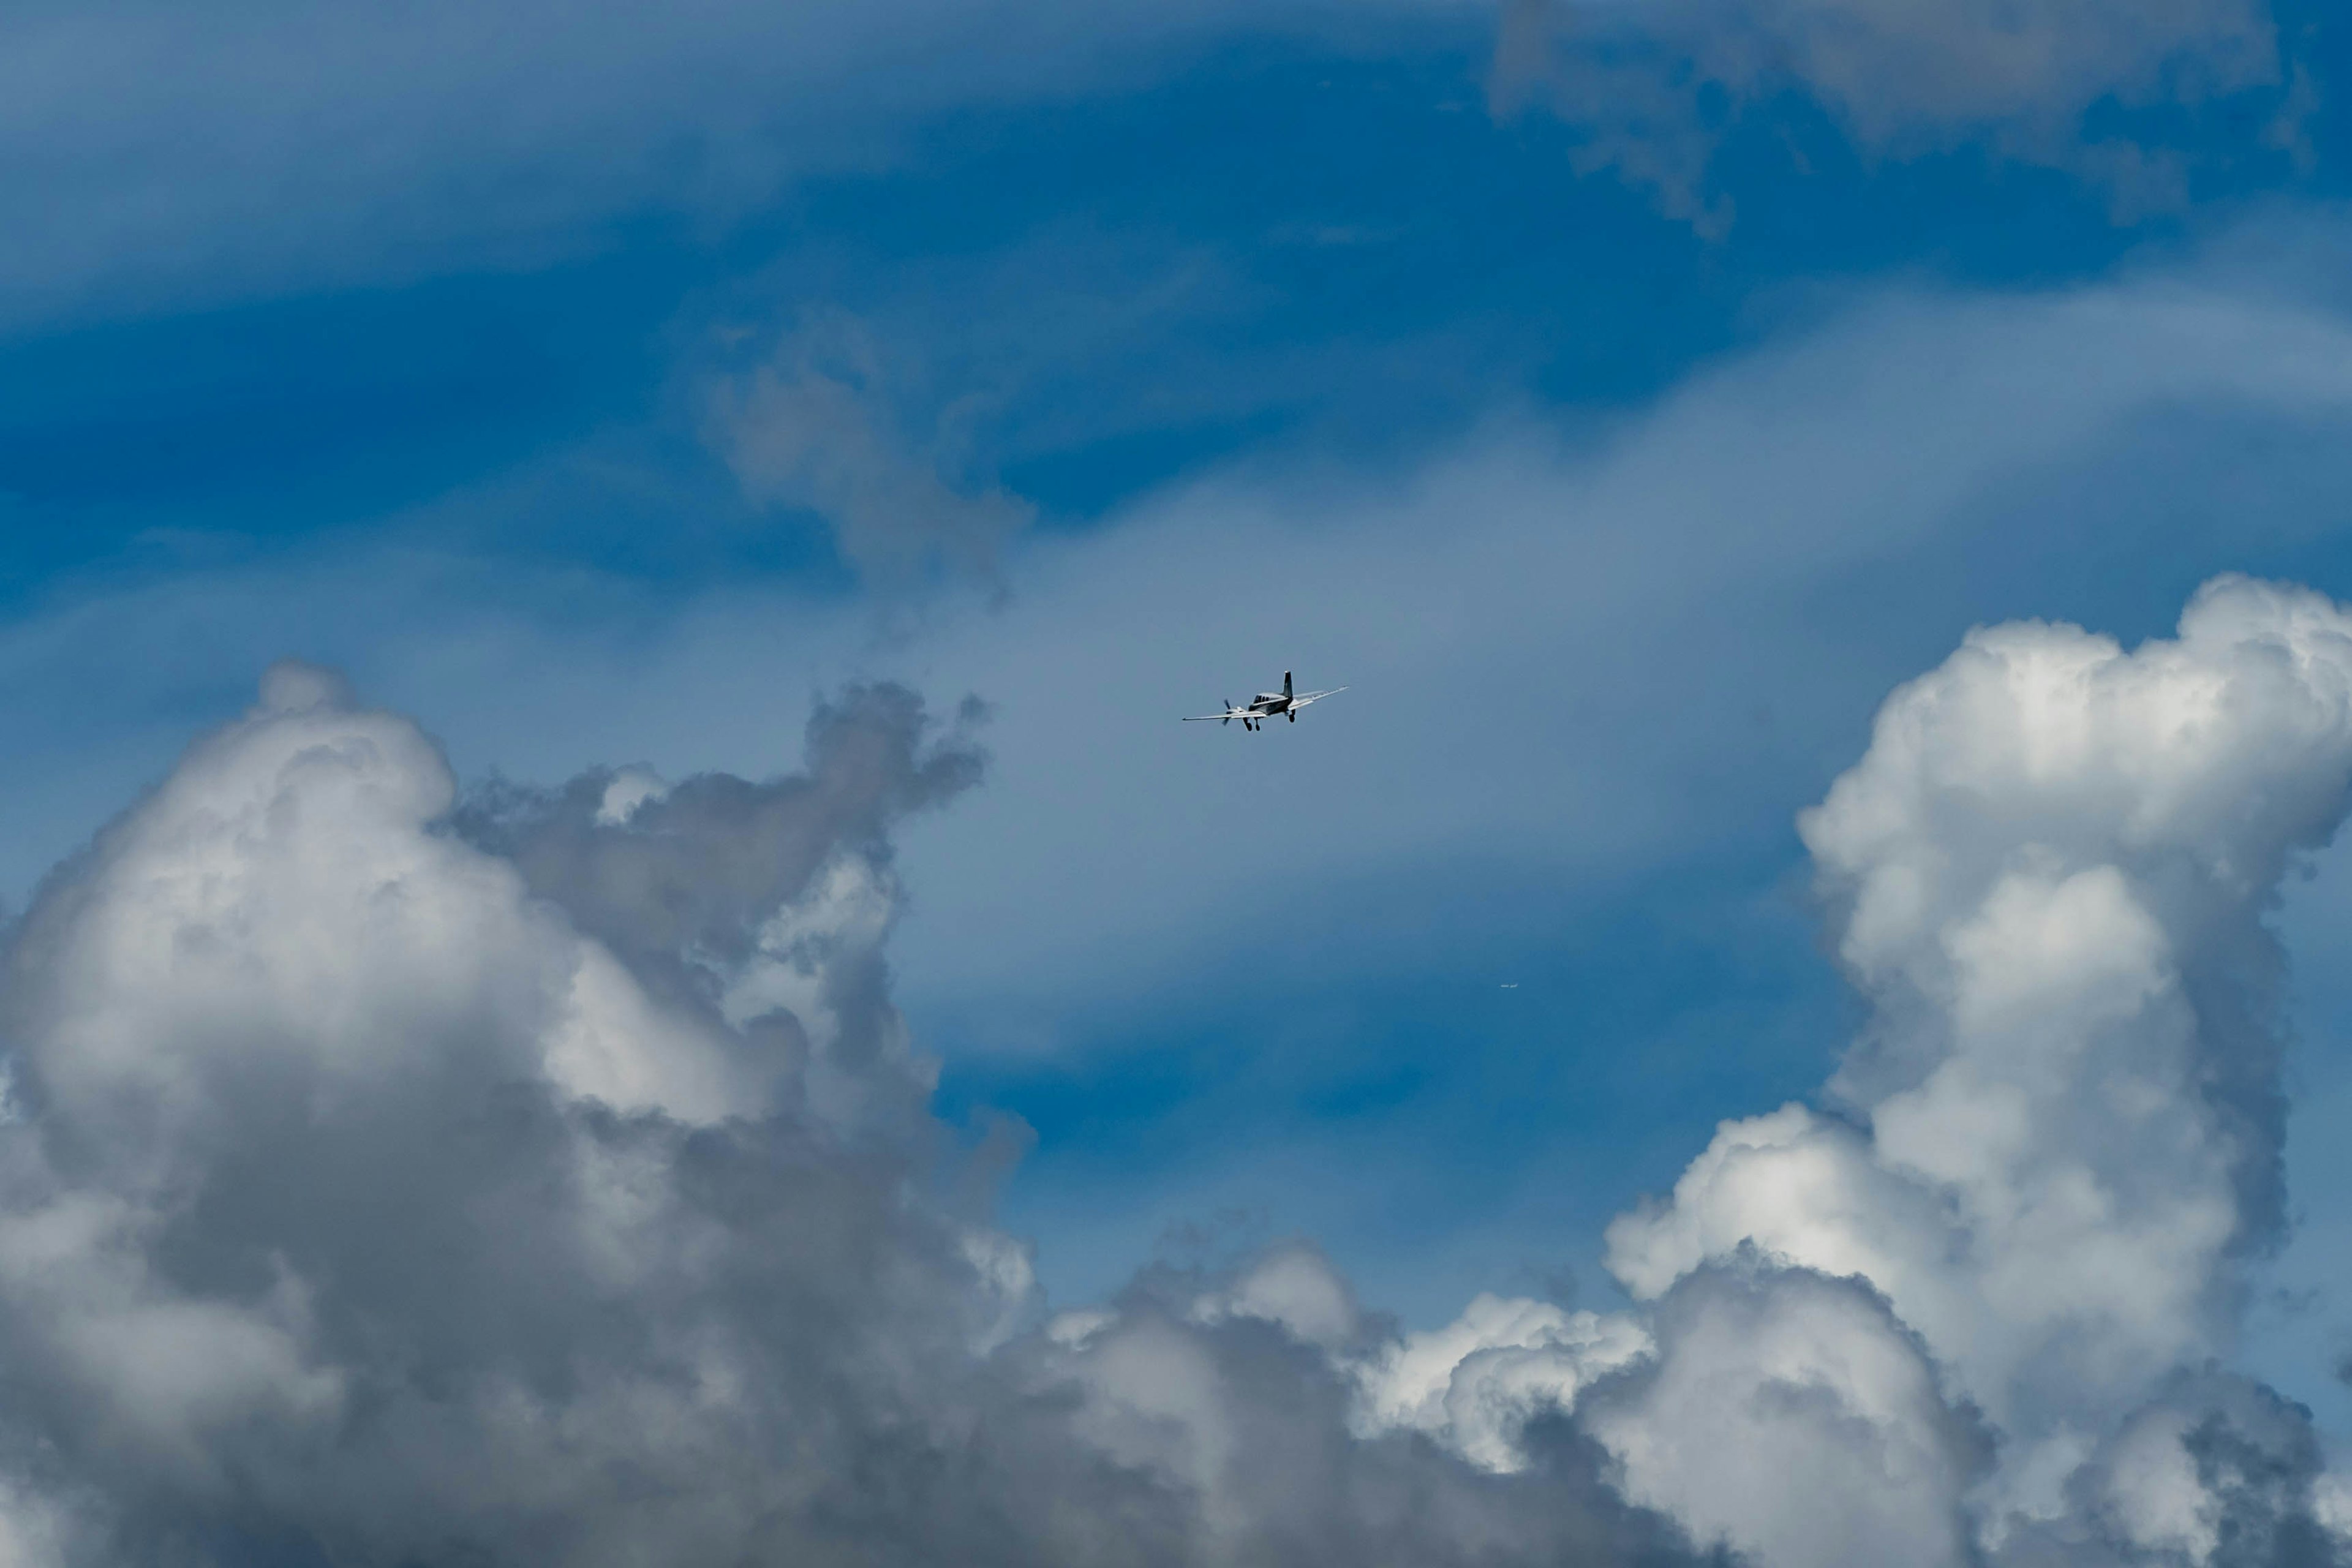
(1276, 249)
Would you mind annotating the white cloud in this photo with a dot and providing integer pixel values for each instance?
(1264, 1389)
(390, 1161)
(322, 1097)
(1475, 1382)
(1791, 1417)
(2153, 1493)
(2052, 867)
(412, 1176)
(1963, 1321)
(631, 788)
(2042, 1159)
(1296, 1287)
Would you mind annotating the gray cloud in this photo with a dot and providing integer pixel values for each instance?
(546, 1176)
(1654, 84)
(1793, 1416)
(826, 426)
(544, 1179)
(395, 1218)
(2216, 1469)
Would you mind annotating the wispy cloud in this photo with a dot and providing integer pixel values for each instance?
(824, 424)
(1655, 87)
(158, 158)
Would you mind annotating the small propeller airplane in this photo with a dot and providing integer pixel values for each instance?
(1267, 705)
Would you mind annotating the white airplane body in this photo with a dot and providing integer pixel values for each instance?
(1266, 705)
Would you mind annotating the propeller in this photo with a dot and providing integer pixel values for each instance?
(1229, 713)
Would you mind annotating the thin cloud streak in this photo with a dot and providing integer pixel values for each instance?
(166, 159)
(1899, 79)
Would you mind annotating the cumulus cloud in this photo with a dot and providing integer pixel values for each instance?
(378, 1190)
(1654, 84)
(2216, 1469)
(1475, 1383)
(2052, 867)
(1238, 1387)
(1973, 1307)
(2062, 1130)
(1793, 1417)
(400, 1174)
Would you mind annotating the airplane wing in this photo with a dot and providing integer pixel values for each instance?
(1232, 713)
(1305, 697)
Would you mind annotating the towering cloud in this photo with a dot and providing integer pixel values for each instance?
(1962, 1306)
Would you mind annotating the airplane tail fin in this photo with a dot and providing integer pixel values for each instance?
(1285, 683)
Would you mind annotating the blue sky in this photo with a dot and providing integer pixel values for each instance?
(1156, 359)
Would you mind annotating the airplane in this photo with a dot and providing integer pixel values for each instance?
(1266, 705)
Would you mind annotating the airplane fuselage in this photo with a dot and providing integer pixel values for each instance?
(1283, 704)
